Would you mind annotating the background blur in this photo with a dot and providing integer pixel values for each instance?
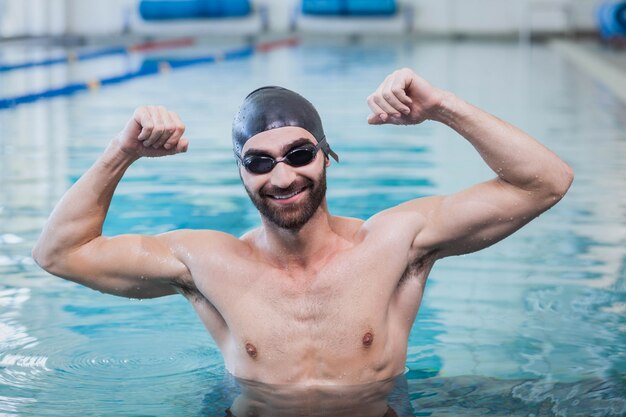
(496, 17)
(113, 17)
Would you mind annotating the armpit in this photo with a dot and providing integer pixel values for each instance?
(187, 289)
(419, 267)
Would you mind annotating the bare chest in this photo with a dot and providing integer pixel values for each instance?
(349, 314)
(321, 308)
(345, 317)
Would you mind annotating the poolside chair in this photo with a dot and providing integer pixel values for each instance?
(352, 17)
(198, 18)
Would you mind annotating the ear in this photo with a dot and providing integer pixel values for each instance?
(327, 161)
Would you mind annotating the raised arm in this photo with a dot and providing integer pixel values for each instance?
(72, 246)
(530, 178)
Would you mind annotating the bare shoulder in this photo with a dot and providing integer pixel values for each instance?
(200, 237)
(411, 215)
(404, 224)
(189, 245)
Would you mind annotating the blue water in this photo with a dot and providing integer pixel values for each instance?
(533, 326)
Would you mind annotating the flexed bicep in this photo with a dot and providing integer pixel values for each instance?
(71, 244)
(477, 217)
(133, 266)
(530, 177)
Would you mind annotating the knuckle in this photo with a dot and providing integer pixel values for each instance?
(378, 99)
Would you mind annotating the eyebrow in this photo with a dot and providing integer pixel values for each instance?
(284, 149)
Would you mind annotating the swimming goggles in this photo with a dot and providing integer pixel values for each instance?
(298, 157)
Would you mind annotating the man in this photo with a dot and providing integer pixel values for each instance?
(307, 298)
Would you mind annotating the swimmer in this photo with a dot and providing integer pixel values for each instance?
(307, 298)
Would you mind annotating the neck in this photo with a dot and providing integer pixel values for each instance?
(299, 247)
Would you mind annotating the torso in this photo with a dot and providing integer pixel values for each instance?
(345, 320)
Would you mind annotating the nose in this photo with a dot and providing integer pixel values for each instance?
(282, 176)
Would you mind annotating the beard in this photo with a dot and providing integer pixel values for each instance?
(292, 216)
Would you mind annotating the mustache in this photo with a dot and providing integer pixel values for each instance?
(269, 190)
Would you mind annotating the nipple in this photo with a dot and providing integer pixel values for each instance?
(368, 339)
(251, 350)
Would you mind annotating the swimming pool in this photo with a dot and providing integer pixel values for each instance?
(533, 326)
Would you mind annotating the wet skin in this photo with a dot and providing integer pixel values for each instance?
(331, 301)
(341, 313)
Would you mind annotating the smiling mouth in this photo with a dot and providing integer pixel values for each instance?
(286, 196)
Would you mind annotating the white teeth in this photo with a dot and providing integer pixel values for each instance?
(284, 197)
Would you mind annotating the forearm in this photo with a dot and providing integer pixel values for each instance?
(78, 217)
(512, 154)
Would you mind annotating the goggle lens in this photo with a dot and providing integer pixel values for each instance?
(299, 157)
(259, 164)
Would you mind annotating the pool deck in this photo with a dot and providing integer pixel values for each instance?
(606, 65)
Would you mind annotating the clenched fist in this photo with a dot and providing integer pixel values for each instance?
(153, 131)
(404, 98)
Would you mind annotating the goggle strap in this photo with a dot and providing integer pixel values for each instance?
(326, 148)
(333, 154)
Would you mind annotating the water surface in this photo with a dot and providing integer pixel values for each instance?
(533, 326)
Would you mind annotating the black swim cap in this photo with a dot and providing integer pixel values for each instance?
(272, 107)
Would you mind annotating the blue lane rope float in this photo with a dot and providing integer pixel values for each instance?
(70, 57)
(149, 67)
(99, 53)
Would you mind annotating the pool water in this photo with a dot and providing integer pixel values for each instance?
(533, 326)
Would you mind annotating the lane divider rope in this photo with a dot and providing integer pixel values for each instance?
(73, 56)
(149, 67)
